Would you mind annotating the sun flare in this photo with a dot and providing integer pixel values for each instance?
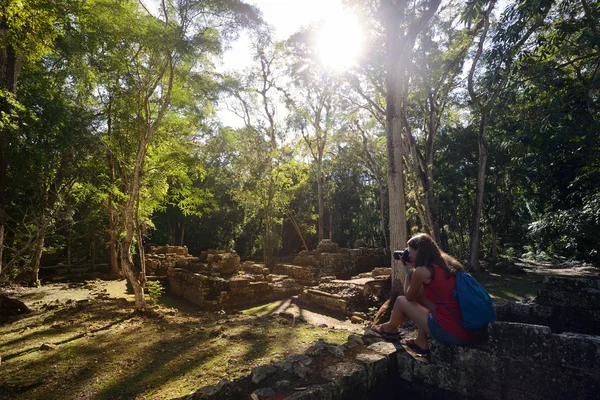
(339, 42)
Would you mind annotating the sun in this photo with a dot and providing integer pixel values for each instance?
(339, 42)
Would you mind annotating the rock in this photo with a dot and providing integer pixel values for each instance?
(355, 340)
(10, 307)
(262, 394)
(356, 319)
(48, 346)
(321, 348)
(298, 365)
(282, 384)
(262, 372)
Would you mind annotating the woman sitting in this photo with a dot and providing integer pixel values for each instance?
(430, 283)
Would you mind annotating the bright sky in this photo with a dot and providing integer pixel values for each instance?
(286, 17)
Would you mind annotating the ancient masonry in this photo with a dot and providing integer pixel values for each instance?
(515, 360)
(218, 280)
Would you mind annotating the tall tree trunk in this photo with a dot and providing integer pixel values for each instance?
(69, 235)
(113, 217)
(475, 222)
(113, 247)
(400, 41)
(135, 277)
(182, 232)
(37, 257)
(320, 194)
(394, 162)
(330, 212)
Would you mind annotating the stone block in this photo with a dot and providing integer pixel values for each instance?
(325, 300)
(259, 287)
(327, 246)
(531, 342)
(381, 272)
(571, 284)
(587, 298)
(307, 258)
(574, 350)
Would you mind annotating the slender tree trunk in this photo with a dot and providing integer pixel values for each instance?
(113, 240)
(475, 222)
(69, 234)
(37, 257)
(298, 230)
(182, 232)
(136, 278)
(321, 231)
(330, 210)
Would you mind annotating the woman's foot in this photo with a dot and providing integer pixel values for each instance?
(422, 349)
(385, 329)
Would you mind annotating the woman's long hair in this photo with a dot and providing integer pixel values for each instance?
(430, 255)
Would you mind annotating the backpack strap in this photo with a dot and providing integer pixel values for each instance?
(447, 306)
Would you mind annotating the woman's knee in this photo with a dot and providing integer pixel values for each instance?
(401, 301)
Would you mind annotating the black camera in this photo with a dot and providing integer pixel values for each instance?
(403, 255)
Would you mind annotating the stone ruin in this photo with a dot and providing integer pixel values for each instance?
(217, 279)
(513, 360)
(347, 296)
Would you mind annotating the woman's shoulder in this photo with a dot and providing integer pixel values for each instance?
(423, 271)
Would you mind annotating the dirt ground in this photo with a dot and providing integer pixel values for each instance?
(83, 340)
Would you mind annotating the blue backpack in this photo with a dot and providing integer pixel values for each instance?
(474, 302)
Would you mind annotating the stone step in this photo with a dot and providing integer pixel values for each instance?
(571, 284)
(587, 298)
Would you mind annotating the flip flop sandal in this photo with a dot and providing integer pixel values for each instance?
(410, 343)
(391, 336)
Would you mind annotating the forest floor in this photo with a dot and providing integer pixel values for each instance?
(97, 348)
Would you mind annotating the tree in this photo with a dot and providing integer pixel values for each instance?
(403, 24)
(519, 22)
(27, 32)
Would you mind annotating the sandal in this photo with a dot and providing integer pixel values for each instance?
(410, 343)
(386, 335)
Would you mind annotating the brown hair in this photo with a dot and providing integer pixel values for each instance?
(430, 255)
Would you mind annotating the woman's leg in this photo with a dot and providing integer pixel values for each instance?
(413, 310)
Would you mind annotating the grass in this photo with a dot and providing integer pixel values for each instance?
(105, 351)
(511, 287)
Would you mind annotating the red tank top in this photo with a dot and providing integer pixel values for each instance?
(444, 287)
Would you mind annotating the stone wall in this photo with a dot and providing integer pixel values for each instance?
(160, 258)
(517, 361)
(329, 259)
(216, 280)
(305, 275)
(512, 360)
(565, 304)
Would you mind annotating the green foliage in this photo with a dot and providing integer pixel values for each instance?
(155, 290)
